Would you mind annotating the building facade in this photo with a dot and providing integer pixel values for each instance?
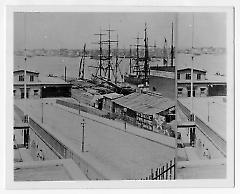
(39, 86)
(203, 85)
(146, 110)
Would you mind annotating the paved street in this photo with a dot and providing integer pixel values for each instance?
(212, 110)
(130, 155)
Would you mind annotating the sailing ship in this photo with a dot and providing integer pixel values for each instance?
(139, 66)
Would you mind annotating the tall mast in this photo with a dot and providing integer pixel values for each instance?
(155, 49)
(137, 61)
(83, 61)
(172, 48)
(80, 67)
(165, 54)
(100, 51)
(109, 41)
(130, 60)
(116, 65)
(146, 58)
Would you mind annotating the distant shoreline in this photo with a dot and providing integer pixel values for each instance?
(157, 53)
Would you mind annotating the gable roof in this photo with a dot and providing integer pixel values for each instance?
(194, 69)
(28, 71)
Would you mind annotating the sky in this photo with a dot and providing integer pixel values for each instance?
(72, 30)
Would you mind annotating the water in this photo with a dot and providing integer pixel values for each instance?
(55, 65)
(211, 63)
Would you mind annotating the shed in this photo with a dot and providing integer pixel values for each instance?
(108, 101)
(144, 107)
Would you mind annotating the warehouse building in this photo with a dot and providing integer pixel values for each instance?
(38, 86)
(203, 84)
(146, 110)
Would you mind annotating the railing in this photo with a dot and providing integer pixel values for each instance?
(19, 112)
(216, 139)
(64, 152)
(82, 108)
(61, 150)
(165, 172)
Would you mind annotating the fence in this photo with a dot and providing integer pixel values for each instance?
(65, 152)
(61, 150)
(165, 172)
(82, 108)
(216, 140)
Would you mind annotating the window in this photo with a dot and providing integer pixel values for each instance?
(21, 78)
(188, 76)
(180, 91)
(14, 92)
(198, 76)
(31, 78)
(35, 92)
(178, 76)
(202, 90)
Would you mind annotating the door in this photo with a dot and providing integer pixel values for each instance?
(192, 136)
(189, 93)
(26, 137)
(27, 94)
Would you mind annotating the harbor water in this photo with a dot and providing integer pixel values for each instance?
(46, 65)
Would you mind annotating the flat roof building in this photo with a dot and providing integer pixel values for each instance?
(203, 84)
(39, 86)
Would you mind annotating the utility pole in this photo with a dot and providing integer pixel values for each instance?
(192, 65)
(172, 48)
(83, 131)
(42, 111)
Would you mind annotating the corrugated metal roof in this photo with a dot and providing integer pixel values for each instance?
(51, 80)
(112, 95)
(145, 103)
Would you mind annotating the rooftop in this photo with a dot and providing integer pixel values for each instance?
(189, 68)
(112, 96)
(145, 103)
(51, 80)
(44, 80)
(28, 71)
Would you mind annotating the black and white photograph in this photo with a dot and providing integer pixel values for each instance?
(143, 96)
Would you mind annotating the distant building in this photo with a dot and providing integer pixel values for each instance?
(39, 86)
(203, 84)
